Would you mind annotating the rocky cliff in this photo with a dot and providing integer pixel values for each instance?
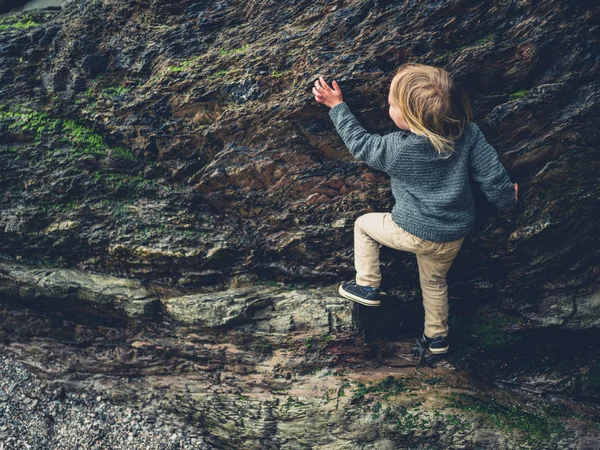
(176, 206)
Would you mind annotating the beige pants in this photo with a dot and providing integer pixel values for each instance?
(373, 230)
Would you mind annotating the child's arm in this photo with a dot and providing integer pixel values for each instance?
(489, 172)
(377, 151)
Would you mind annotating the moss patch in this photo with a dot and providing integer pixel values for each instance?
(484, 329)
(518, 94)
(224, 52)
(113, 91)
(69, 132)
(279, 73)
(510, 418)
(482, 41)
(387, 388)
(434, 381)
(319, 342)
(27, 24)
(184, 65)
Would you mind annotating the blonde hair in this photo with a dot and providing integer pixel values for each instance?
(432, 104)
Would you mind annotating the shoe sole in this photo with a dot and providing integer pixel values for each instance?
(357, 299)
(438, 351)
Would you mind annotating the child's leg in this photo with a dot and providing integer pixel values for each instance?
(432, 276)
(371, 231)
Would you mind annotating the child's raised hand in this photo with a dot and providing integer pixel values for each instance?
(324, 94)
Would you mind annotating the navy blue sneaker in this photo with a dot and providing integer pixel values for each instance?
(365, 295)
(437, 344)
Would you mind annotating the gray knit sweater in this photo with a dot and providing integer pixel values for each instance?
(433, 195)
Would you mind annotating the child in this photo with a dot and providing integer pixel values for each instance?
(429, 163)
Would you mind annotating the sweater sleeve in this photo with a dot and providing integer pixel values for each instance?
(377, 151)
(489, 172)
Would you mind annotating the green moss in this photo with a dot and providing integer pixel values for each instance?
(278, 73)
(29, 23)
(388, 387)
(485, 40)
(342, 389)
(482, 41)
(310, 371)
(122, 152)
(291, 402)
(113, 91)
(507, 417)
(119, 207)
(375, 412)
(434, 380)
(116, 180)
(84, 140)
(407, 423)
(454, 420)
(388, 414)
(83, 137)
(184, 65)
(30, 120)
(317, 343)
(70, 205)
(222, 72)
(518, 94)
(484, 329)
(224, 52)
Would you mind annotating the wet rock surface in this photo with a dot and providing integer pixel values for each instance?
(259, 366)
(35, 414)
(202, 155)
(177, 209)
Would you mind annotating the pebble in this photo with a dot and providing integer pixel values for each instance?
(39, 417)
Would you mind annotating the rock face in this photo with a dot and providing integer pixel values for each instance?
(76, 290)
(269, 367)
(181, 142)
(163, 160)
